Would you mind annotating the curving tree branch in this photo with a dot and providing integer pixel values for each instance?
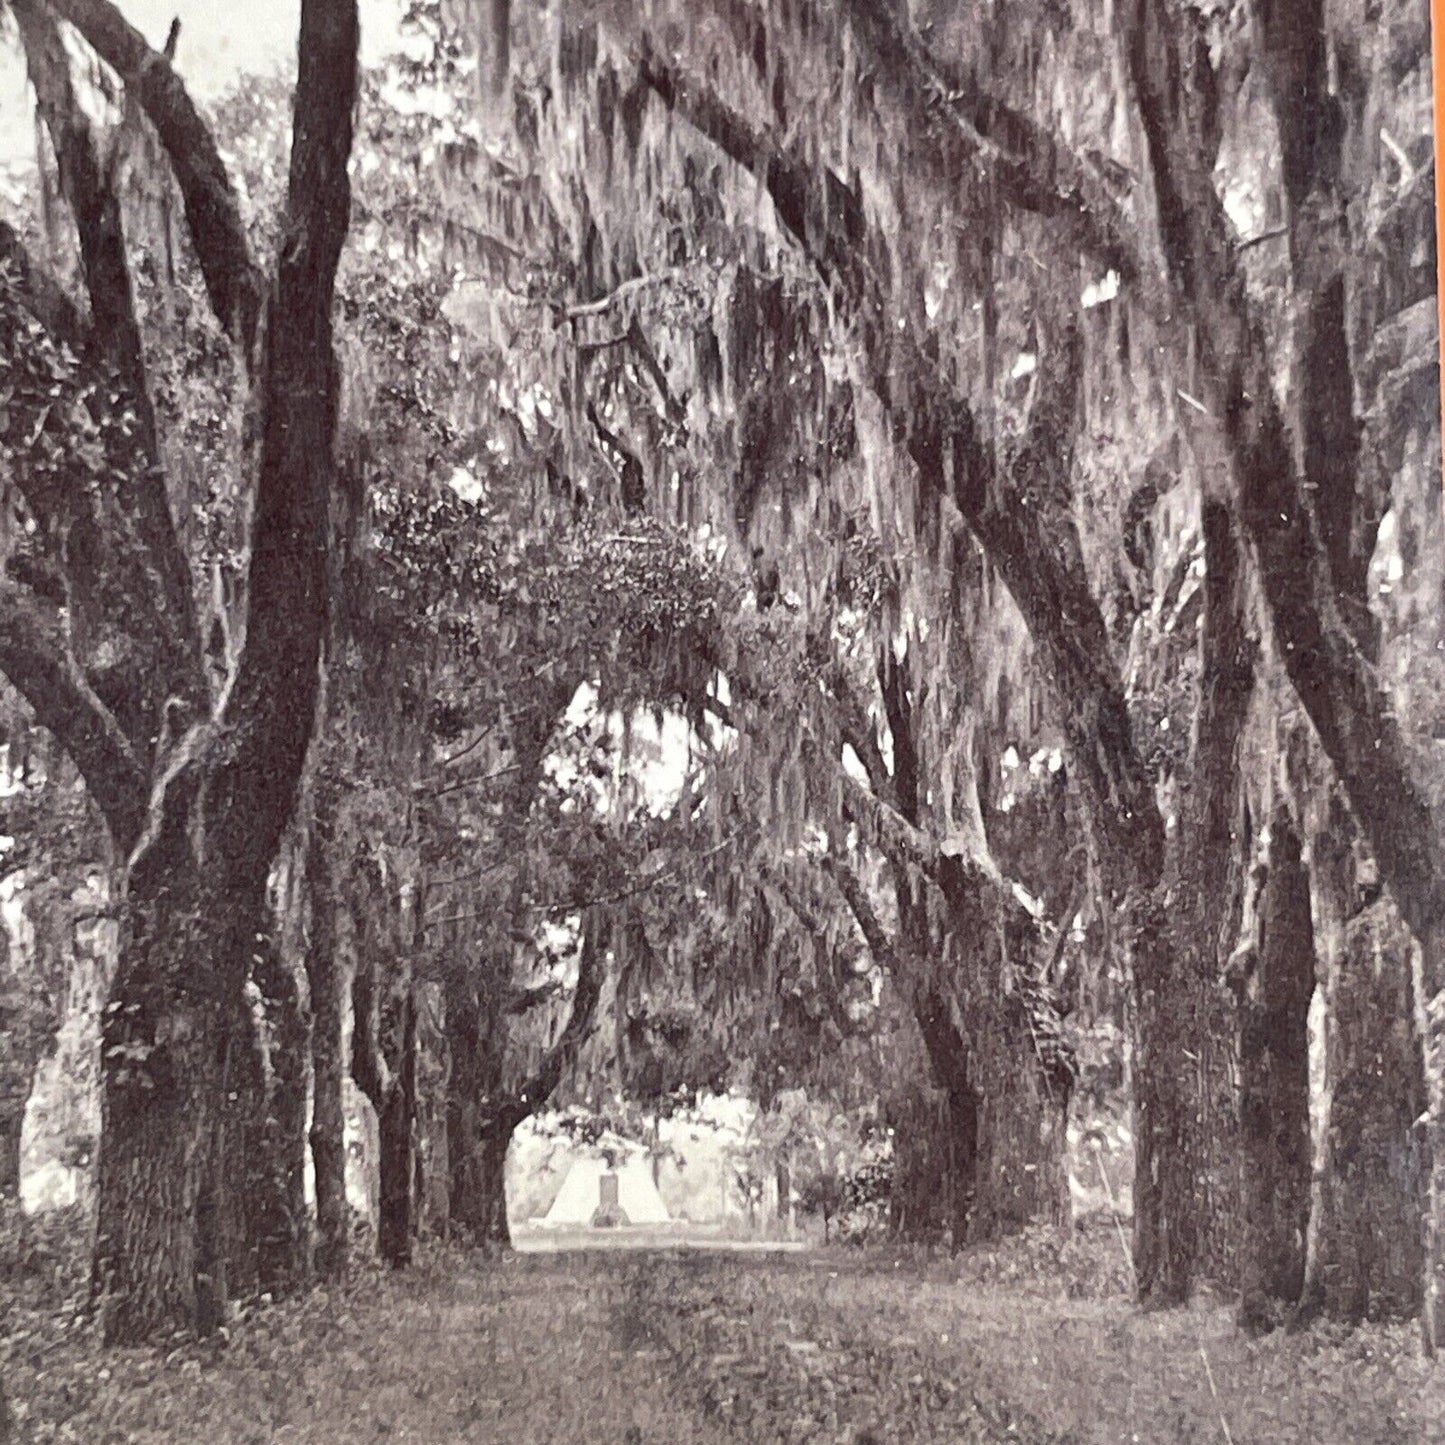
(543, 1082)
(885, 951)
(1019, 513)
(970, 129)
(233, 280)
(36, 660)
(113, 342)
(1169, 70)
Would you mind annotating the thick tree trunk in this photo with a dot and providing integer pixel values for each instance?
(948, 1058)
(238, 1198)
(477, 1141)
(1366, 1251)
(465, 1092)
(383, 1063)
(433, 1181)
(1275, 987)
(1429, 995)
(489, 1208)
(153, 1154)
(193, 1190)
(961, 1190)
(1165, 1226)
(1369, 1246)
(979, 1014)
(924, 1185)
(225, 1264)
(1206, 896)
(1007, 1093)
(163, 1046)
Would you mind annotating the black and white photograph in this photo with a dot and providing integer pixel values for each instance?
(722, 722)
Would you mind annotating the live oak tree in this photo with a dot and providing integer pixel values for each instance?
(673, 371)
(473, 603)
(995, 433)
(194, 773)
(829, 224)
(950, 125)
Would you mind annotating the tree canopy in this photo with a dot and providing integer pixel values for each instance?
(862, 554)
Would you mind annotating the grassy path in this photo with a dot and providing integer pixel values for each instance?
(676, 1347)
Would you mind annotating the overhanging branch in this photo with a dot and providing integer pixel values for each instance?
(213, 215)
(1028, 166)
(1019, 514)
(542, 1084)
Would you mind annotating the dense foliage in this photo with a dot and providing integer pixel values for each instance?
(882, 558)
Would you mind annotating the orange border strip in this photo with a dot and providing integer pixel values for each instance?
(1437, 40)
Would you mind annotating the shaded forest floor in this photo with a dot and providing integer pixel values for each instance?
(1024, 1343)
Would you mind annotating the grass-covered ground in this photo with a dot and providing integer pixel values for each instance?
(1027, 1343)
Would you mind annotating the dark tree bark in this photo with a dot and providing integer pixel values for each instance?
(160, 1257)
(474, 1082)
(12, 1116)
(921, 1196)
(1370, 1249)
(1199, 1039)
(478, 1205)
(196, 803)
(490, 1208)
(948, 1055)
(397, 1120)
(433, 1154)
(278, 1220)
(328, 973)
(383, 1064)
(1273, 976)
(1174, 85)
(1366, 1250)
(1166, 1242)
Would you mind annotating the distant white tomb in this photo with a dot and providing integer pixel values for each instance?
(600, 1193)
